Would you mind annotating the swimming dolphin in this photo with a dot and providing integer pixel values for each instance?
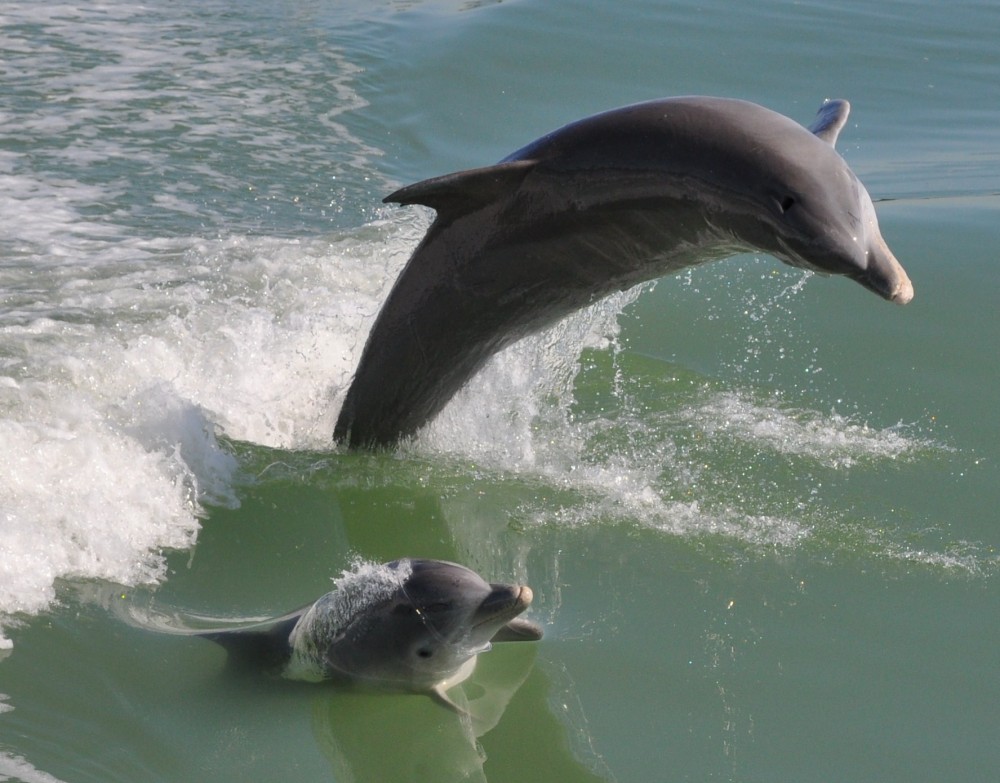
(595, 207)
(414, 625)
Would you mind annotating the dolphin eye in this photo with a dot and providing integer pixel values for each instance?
(424, 652)
(786, 203)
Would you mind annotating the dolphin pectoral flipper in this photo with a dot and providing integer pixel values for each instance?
(831, 117)
(465, 191)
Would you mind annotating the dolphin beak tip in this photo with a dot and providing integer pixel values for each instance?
(903, 293)
(900, 288)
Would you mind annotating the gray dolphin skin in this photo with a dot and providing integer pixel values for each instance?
(412, 625)
(596, 207)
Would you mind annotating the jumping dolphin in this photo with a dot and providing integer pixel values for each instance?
(414, 625)
(595, 207)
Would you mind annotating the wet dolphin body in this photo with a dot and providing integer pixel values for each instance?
(597, 207)
(413, 625)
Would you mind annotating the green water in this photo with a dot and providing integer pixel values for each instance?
(758, 511)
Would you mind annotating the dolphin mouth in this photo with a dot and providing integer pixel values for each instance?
(882, 274)
(885, 275)
(896, 288)
(903, 293)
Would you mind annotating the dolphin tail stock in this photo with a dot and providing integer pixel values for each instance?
(371, 416)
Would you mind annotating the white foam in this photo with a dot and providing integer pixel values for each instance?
(83, 498)
(15, 768)
(366, 583)
(357, 589)
(268, 345)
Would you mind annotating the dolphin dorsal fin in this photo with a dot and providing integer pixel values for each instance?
(457, 194)
(830, 118)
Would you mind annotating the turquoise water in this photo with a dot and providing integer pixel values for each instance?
(757, 508)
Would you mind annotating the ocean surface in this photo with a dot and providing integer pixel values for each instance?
(758, 508)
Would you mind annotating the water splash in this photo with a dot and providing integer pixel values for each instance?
(610, 437)
(111, 419)
(14, 767)
(832, 440)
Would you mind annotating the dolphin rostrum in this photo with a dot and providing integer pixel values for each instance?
(412, 625)
(595, 207)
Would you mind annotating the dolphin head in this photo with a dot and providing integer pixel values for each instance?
(766, 182)
(433, 620)
(821, 216)
(830, 227)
